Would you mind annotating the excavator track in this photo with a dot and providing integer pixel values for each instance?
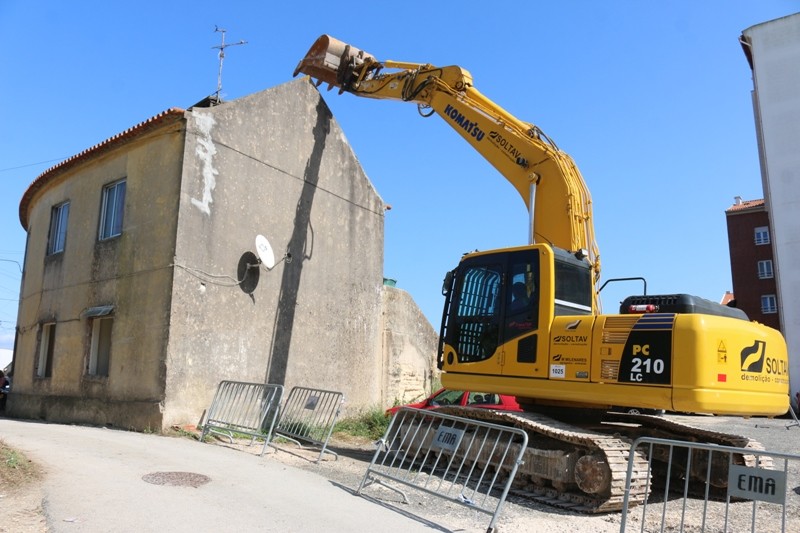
(567, 466)
(583, 467)
(661, 427)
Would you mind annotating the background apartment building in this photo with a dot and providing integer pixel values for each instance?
(752, 263)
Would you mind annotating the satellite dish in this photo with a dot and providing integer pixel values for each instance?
(264, 251)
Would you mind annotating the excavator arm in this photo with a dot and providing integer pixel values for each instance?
(547, 179)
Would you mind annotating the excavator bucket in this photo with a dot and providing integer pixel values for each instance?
(331, 61)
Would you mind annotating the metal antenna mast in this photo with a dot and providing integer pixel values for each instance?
(221, 49)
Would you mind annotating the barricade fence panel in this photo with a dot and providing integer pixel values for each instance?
(243, 408)
(700, 487)
(308, 417)
(468, 462)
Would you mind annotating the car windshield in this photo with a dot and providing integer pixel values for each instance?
(481, 398)
(448, 397)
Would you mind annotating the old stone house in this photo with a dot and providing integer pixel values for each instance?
(143, 289)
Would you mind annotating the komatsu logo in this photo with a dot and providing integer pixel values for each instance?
(467, 125)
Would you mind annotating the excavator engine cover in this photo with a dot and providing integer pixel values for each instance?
(679, 303)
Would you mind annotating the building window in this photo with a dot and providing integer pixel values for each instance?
(58, 228)
(112, 210)
(765, 269)
(769, 304)
(100, 352)
(47, 342)
(762, 235)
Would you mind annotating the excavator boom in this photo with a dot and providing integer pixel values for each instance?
(520, 151)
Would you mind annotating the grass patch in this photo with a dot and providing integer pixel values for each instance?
(15, 468)
(370, 424)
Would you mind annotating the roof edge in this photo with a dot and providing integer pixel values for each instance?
(165, 117)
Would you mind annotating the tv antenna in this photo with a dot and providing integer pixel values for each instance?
(222, 46)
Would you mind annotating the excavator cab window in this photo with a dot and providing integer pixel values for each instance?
(522, 298)
(494, 300)
(573, 285)
(476, 311)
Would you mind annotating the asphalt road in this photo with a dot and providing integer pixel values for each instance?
(94, 483)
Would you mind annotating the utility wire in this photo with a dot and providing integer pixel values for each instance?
(31, 164)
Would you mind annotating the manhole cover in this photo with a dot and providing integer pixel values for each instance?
(797, 490)
(176, 479)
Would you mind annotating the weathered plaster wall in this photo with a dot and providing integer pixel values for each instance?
(409, 350)
(131, 272)
(274, 163)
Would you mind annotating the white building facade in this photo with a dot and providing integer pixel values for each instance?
(773, 51)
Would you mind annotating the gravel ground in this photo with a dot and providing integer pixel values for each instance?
(524, 515)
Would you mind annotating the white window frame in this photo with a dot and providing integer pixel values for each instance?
(47, 341)
(769, 304)
(765, 270)
(59, 216)
(761, 235)
(112, 210)
(100, 350)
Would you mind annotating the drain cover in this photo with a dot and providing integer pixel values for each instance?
(176, 479)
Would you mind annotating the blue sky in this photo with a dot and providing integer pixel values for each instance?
(652, 100)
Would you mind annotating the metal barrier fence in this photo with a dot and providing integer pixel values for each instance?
(796, 422)
(712, 488)
(308, 417)
(243, 408)
(468, 462)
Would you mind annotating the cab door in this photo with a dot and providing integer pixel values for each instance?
(523, 344)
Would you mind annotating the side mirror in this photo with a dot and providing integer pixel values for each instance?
(447, 284)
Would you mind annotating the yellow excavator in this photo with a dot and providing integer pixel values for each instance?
(526, 321)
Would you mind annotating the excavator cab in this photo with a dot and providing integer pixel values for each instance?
(503, 302)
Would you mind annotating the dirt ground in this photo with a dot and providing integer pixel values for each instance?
(23, 512)
(519, 514)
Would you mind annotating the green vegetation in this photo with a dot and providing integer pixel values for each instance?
(371, 424)
(15, 468)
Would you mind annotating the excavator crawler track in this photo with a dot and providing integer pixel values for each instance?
(660, 427)
(568, 466)
(583, 467)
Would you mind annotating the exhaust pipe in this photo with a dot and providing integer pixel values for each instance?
(331, 61)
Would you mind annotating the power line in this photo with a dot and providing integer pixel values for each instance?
(31, 164)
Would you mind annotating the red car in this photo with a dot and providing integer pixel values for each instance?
(486, 400)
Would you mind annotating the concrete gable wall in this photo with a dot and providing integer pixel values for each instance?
(274, 163)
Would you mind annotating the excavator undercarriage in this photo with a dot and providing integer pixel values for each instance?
(583, 466)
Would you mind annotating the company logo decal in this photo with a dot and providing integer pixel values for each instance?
(753, 357)
(758, 366)
(467, 125)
